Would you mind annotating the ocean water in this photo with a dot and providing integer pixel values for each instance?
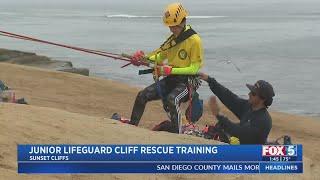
(276, 40)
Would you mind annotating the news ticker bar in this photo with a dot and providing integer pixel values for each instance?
(175, 152)
(155, 167)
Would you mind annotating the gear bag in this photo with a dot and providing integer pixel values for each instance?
(196, 107)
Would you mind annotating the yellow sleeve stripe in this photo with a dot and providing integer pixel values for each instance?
(191, 70)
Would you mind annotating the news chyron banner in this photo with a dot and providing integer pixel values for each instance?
(176, 158)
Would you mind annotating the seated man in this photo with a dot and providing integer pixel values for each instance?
(255, 121)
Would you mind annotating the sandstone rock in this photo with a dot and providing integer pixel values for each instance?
(31, 59)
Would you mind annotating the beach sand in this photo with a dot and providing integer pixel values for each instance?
(70, 108)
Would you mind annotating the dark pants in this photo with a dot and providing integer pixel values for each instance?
(174, 90)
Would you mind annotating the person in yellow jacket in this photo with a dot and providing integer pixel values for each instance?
(184, 54)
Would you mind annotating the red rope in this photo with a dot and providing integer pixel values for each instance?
(96, 52)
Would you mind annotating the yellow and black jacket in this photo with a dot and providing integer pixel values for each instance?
(185, 57)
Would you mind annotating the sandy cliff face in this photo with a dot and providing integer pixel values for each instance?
(69, 108)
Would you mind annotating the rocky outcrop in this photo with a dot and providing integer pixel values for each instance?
(82, 71)
(31, 59)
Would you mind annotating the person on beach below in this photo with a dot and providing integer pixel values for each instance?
(255, 121)
(184, 54)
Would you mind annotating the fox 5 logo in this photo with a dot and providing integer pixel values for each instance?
(279, 150)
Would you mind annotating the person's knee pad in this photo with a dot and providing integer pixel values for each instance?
(171, 101)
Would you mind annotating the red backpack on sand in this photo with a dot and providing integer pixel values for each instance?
(163, 126)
